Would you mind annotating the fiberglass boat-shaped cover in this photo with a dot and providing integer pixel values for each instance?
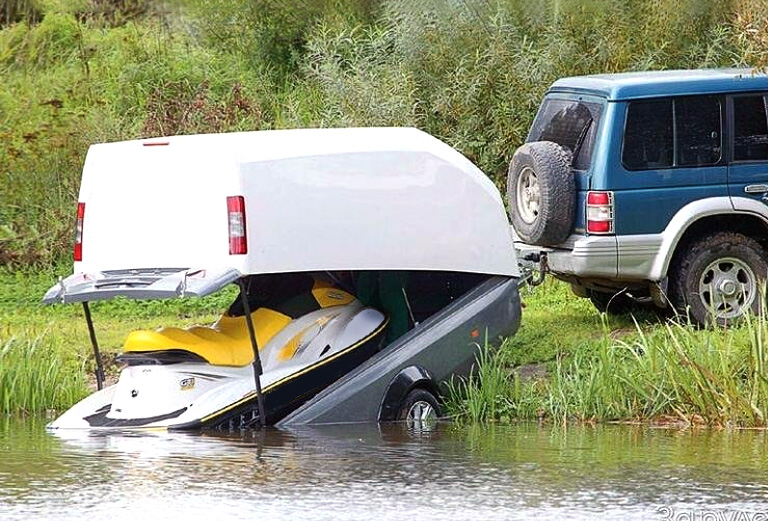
(315, 199)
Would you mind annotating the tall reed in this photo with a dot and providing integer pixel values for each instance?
(676, 372)
(37, 375)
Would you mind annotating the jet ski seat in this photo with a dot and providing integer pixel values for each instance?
(227, 342)
(224, 343)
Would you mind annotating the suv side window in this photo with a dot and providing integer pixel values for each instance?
(648, 135)
(750, 129)
(673, 132)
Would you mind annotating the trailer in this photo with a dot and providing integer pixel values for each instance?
(371, 265)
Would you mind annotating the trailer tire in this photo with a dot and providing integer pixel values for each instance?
(541, 193)
(420, 410)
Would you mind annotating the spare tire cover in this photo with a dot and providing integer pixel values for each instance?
(541, 193)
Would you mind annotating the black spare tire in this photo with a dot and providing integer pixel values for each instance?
(541, 192)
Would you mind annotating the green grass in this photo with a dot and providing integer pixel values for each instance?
(39, 374)
(603, 369)
(555, 321)
(46, 359)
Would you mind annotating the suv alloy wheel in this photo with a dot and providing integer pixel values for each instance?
(719, 277)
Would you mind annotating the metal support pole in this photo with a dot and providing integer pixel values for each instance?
(99, 368)
(257, 369)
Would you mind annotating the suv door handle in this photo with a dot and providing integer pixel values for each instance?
(756, 189)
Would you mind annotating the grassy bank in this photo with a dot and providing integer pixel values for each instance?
(602, 369)
(567, 363)
(46, 361)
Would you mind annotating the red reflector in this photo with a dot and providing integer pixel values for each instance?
(598, 198)
(238, 241)
(78, 251)
(155, 143)
(599, 226)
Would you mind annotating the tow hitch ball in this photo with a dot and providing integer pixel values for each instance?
(531, 279)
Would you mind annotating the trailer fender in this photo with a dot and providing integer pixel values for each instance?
(409, 378)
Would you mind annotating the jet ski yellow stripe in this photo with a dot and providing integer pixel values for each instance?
(289, 349)
(288, 378)
(294, 344)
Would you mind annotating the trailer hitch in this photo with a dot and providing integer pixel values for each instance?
(534, 276)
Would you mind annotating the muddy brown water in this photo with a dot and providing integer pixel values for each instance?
(371, 472)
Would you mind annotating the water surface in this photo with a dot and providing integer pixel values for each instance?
(371, 472)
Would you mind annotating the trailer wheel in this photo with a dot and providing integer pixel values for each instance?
(420, 410)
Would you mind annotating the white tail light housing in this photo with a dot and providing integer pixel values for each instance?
(238, 240)
(600, 213)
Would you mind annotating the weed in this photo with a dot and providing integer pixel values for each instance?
(674, 370)
(37, 374)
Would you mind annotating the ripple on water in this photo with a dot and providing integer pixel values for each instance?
(488, 473)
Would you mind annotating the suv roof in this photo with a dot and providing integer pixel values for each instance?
(631, 85)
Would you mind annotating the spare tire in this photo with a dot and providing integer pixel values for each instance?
(541, 192)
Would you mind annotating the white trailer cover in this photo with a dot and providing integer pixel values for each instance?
(315, 199)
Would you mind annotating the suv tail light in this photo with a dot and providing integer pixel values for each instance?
(238, 242)
(78, 252)
(600, 212)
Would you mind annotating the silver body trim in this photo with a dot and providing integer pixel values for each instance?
(140, 284)
(642, 257)
(578, 255)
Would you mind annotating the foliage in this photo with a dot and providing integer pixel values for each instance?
(36, 374)
(15, 11)
(670, 371)
(470, 72)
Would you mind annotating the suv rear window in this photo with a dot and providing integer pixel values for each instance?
(665, 133)
(572, 124)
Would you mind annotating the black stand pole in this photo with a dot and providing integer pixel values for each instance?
(257, 369)
(99, 368)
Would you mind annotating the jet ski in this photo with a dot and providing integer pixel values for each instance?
(202, 377)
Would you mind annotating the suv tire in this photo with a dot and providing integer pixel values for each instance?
(611, 303)
(726, 269)
(541, 192)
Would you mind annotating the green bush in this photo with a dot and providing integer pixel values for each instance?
(471, 73)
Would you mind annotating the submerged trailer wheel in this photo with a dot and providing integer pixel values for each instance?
(420, 410)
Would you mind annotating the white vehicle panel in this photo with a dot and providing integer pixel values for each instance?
(350, 199)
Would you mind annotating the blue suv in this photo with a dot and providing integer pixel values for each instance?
(649, 188)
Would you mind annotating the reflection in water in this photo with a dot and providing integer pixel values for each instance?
(370, 472)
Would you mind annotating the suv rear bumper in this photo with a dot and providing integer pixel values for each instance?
(580, 256)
